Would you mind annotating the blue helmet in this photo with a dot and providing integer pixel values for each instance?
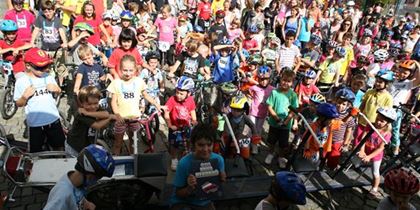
(185, 83)
(341, 51)
(126, 15)
(310, 74)
(386, 75)
(390, 33)
(264, 72)
(198, 29)
(8, 25)
(315, 39)
(253, 29)
(94, 159)
(225, 42)
(289, 186)
(327, 110)
(345, 94)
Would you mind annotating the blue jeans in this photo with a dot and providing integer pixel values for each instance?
(396, 125)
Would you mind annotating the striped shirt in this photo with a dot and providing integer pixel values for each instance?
(338, 135)
(287, 55)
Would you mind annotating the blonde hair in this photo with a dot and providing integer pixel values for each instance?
(166, 7)
(84, 50)
(128, 58)
(87, 92)
(192, 45)
(133, 6)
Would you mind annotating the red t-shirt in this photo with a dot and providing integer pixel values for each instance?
(24, 20)
(249, 44)
(180, 112)
(99, 7)
(307, 91)
(110, 33)
(205, 10)
(95, 39)
(117, 54)
(19, 65)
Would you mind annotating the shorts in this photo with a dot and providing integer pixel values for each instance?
(121, 128)
(59, 62)
(280, 135)
(176, 139)
(52, 134)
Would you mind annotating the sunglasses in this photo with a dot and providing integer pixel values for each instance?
(37, 68)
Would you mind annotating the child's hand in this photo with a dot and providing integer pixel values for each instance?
(84, 34)
(362, 154)
(82, 111)
(87, 205)
(53, 88)
(113, 117)
(295, 127)
(191, 181)
(15, 52)
(194, 122)
(366, 159)
(29, 91)
(118, 118)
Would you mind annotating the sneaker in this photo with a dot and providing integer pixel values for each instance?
(269, 158)
(282, 162)
(254, 149)
(174, 164)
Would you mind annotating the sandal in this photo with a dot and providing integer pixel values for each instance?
(375, 194)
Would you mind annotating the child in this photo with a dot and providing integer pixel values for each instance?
(373, 149)
(226, 61)
(306, 88)
(180, 115)
(269, 53)
(249, 43)
(286, 190)
(23, 18)
(401, 185)
(357, 85)
(89, 73)
(128, 43)
(166, 24)
(10, 47)
(380, 56)
(364, 47)
(145, 42)
(310, 54)
(373, 99)
(234, 31)
(89, 119)
(126, 93)
(34, 92)
(184, 27)
(359, 65)
(259, 110)
(289, 53)
(218, 28)
(203, 12)
(348, 57)
(106, 23)
(153, 78)
(185, 183)
(280, 119)
(329, 73)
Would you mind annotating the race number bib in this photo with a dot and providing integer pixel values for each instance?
(21, 22)
(244, 142)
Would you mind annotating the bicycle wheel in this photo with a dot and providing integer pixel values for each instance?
(120, 194)
(8, 105)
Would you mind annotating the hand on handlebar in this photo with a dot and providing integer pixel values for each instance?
(119, 119)
(87, 205)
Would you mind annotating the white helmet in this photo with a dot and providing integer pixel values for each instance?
(107, 14)
(350, 3)
(185, 83)
(381, 55)
(388, 113)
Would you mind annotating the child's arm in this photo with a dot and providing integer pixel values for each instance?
(347, 135)
(77, 83)
(76, 40)
(99, 115)
(63, 37)
(173, 68)
(115, 109)
(193, 117)
(168, 121)
(151, 100)
(187, 190)
(108, 37)
(273, 113)
(378, 150)
(297, 61)
(34, 35)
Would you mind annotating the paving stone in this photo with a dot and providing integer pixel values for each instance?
(18, 208)
(27, 191)
(35, 206)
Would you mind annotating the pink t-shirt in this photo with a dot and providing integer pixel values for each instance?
(362, 49)
(24, 20)
(95, 39)
(249, 44)
(233, 34)
(166, 29)
(373, 143)
(259, 95)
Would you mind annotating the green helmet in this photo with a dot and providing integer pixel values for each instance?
(229, 88)
(271, 35)
(84, 27)
(255, 59)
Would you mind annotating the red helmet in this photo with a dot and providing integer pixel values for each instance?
(402, 181)
(37, 57)
(220, 14)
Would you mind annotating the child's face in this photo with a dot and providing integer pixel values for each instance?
(202, 149)
(126, 44)
(141, 37)
(403, 74)
(380, 84)
(10, 36)
(153, 63)
(366, 40)
(289, 41)
(49, 13)
(89, 10)
(224, 52)
(18, 6)
(88, 59)
(165, 14)
(380, 121)
(125, 23)
(91, 105)
(347, 41)
(286, 83)
(107, 22)
(237, 112)
(308, 81)
(114, 22)
(263, 82)
(356, 85)
(128, 70)
(181, 95)
(252, 66)
(342, 105)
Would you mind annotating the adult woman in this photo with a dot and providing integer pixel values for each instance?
(314, 11)
(88, 16)
(269, 14)
(345, 27)
(291, 23)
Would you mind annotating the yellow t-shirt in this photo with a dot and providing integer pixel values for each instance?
(217, 5)
(79, 5)
(329, 69)
(128, 95)
(346, 60)
(373, 100)
(67, 15)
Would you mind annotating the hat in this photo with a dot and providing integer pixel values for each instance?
(107, 14)
(220, 14)
(37, 57)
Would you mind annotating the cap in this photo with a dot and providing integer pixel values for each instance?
(220, 14)
(37, 57)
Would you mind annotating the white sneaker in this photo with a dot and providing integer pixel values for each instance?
(282, 162)
(174, 164)
(254, 149)
(269, 158)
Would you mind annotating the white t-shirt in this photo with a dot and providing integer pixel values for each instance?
(64, 195)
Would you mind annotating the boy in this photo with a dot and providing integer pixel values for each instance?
(329, 73)
(348, 57)
(153, 77)
(88, 119)
(289, 53)
(226, 60)
(53, 36)
(180, 114)
(24, 19)
(310, 54)
(218, 27)
(34, 92)
(358, 83)
(280, 119)
(93, 163)
(185, 183)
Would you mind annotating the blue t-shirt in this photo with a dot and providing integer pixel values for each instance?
(305, 34)
(91, 75)
(358, 100)
(40, 109)
(183, 171)
(223, 69)
(152, 81)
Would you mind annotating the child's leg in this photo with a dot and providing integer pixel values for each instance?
(283, 136)
(376, 175)
(36, 139)
(55, 136)
(258, 122)
(119, 130)
(333, 157)
(271, 140)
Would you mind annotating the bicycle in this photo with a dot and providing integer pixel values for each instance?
(200, 97)
(8, 105)
(182, 137)
(146, 132)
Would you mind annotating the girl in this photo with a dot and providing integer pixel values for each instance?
(234, 31)
(166, 24)
(128, 43)
(88, 16)
(373, 149)
(126, 93)
(364, 47)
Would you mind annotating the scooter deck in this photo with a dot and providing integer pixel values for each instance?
(42, 170)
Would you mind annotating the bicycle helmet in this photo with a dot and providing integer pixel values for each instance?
(126, 15)
(345, 94)
(220, 14)
(402, 181)
(332, 44)
(288, 185)
(275, 40)
(239, 102)
(350, 3)
(225, 42)
(341, 51)
(253, 29)
(84, 27)
(362, 59)
(228, 88)
(315, 39)
(198, 29)
(107, 15)
(115, 17)
(255, 59)
(386, 75)
(310, 74)
(264, 72)
(152, 55)
(185, 83)
(18, 1)
(271, 35)
(318, 98)
(367, 33)
(94, 159)
(390, 33)
(327, 110)
(395, 51)
(388, 113)
(408, 64)
(380, 55)
(8, 26)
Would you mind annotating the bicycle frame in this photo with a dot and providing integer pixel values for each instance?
(145, 123)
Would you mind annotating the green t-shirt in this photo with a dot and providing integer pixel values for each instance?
(280, 103)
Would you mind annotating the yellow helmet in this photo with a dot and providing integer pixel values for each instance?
(239, 102)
